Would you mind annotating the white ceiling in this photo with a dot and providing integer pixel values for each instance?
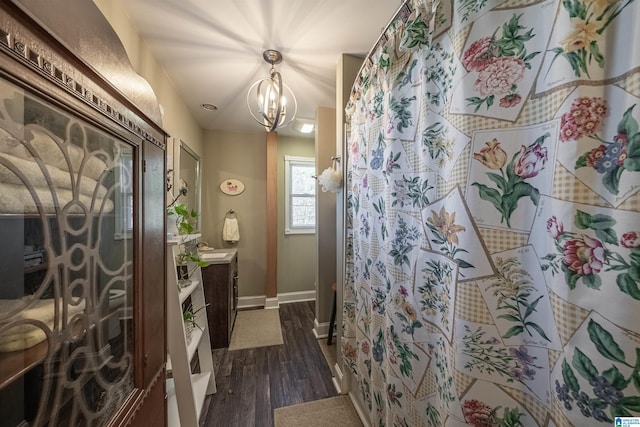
(212, 49)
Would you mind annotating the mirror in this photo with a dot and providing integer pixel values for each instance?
(190, 174)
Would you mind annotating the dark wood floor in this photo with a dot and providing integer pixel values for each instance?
(253, 382)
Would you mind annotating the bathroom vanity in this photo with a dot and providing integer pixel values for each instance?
(221, 293)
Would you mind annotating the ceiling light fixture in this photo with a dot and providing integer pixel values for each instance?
(267, 100)
(304, 125)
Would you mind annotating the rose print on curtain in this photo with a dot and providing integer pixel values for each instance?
(586, 252)
(502, 64)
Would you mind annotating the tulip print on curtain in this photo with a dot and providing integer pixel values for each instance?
(493, 216)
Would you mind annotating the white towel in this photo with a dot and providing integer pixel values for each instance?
(230, 231)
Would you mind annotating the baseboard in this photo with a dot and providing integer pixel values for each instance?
(361, 414)
(271, 303)
(283, 298)
(298, 296)
(321, 330)
(250, 302)
(338, 379)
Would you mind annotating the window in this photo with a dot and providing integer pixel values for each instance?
(300, 195)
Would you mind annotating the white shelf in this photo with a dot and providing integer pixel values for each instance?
(199, 383)
(188, 290)
(182, 238)
(185, 390)
(191, 348)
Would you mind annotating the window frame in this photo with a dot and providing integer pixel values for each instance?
(289, 162)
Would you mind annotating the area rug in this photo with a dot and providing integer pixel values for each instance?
(332, 412)
(256, 328)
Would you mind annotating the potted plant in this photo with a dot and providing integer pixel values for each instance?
(189, 318)
(182, 264)
(185, 218)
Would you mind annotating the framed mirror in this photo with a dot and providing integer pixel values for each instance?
(190, 174)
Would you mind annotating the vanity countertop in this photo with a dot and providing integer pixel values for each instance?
(219, 256)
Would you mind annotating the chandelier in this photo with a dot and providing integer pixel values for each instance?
(267, 100)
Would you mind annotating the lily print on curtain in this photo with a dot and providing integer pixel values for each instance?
(493, 216)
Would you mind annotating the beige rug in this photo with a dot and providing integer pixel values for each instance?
(256, 328)
(335, 411)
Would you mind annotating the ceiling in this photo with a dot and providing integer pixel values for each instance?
(212, 49)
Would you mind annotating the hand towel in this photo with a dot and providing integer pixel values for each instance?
(230, 231)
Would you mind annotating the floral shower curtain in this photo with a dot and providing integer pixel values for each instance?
(493, 226)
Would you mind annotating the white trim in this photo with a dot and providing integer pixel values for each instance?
(321, 330)
(271, 303)
(297, 296)
(251, 302)
(339, 379)
(283, 298)
(359, 411)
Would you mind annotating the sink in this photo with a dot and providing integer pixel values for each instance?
(215, 255)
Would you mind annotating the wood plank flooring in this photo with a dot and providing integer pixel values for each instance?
(253, 382)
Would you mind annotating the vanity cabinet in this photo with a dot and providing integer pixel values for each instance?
(220, 279)
(82, 222)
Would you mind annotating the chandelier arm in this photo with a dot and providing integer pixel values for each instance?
(276, 119)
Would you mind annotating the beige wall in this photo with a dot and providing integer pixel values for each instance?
(325, 148)
(296, 252)
(177, 120)
(231, 155)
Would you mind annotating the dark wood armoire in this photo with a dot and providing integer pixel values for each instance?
(82, 224)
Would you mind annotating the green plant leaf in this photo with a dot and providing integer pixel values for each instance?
(581, 161)
(632, 164)
(582, 219)
(628, 124)
(509, 317)
(604, 342)
(539, 330)
(615, 378)
(532, 307)
(489, 194)
(569, 377)
(611, 179)
(592, 281)
(620, 411)
(634, 273)
(570, 277)
(635, 376)
(608, 235)
(499, 180)
(635, 256)
(631, 402)
(601, 222)
(627, 285)
(464, 264)
(633, 146)
(513, 331)
(583, 365)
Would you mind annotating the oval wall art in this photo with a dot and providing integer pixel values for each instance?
(232, 187)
